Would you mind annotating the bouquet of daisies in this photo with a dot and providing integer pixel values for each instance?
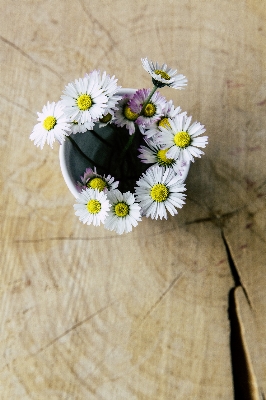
(153, 141)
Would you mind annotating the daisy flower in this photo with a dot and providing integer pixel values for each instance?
(154, 154)
(92, 180)
(169, 111)
(109, 86)
(92, 207)
(160, 189)
(164, 76)
(152, 111)
(182, 139)
(53, 125)
(124, 213)
(84, 100)
(125, 116)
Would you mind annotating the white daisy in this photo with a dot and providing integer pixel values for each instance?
(92, 180)
(124, 213)
(92, 207)
(169, 111)
(84, 100)
(182, 139)
(53, 125)
(160, 189)
(152, 111)
(125, 116)
(155, 154)
(164, 76)
(109, 86)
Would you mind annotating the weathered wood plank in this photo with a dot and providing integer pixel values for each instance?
(86, 314)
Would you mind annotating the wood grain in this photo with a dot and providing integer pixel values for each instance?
(176, 309)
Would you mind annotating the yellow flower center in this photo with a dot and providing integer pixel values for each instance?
(94, 206)
(162, 159)
(121, 209)
(182, 139)
(163, 74)
(49, 123)
(130, 115)
(159, 192)
(164, 123)
(149, 110)
(84, 102)
(97, 183)
(106, 118)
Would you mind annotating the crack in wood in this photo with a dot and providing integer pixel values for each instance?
(200, 220)
(17, 104)
(59, 238)
(21, 51)
(73, 327)
(244, 380)
(235, 273)
(113, 44)
(217, 219)
(100, 25)
(160, 298)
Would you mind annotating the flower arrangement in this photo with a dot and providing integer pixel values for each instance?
(152, 141)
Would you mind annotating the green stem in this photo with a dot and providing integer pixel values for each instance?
(148, 98)
(81, 152)
(130, 140)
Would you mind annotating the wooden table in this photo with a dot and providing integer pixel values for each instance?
(176, 309)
